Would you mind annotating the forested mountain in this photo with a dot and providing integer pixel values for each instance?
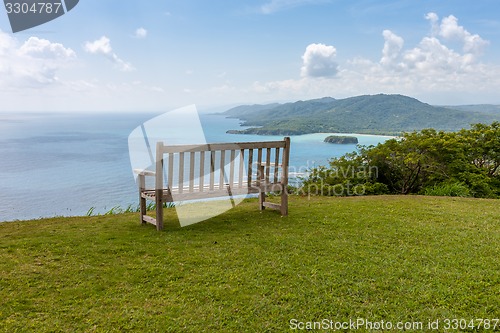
(244, 110)
(483, 108)
(373, 114)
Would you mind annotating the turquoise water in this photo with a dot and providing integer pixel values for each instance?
(62, 164)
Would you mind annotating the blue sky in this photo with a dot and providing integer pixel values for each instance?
(137, 55)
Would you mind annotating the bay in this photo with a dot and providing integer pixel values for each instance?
(54, 164)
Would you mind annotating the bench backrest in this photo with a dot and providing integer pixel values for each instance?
(198, 168)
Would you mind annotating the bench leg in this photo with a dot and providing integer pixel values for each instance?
(284, 202)
(159, 210)
(262, 193)
(142, 205)
(141, 180)
(262, 199)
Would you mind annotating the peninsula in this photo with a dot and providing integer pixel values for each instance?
(368, 114)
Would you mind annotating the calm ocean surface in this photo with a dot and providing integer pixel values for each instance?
(62, 164)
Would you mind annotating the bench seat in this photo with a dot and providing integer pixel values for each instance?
(226, 190)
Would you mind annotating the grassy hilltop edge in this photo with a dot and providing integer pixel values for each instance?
(391, 258)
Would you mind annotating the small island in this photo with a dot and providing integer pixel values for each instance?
(343, 140)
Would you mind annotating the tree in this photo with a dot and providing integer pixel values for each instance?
(419, 161)
(482, 144)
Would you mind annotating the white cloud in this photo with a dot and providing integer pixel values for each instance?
(277, 5)
(33, 63)
(42, 48)
(431, 57)
(141, 33)
(33, 78)
(392, 48)
(319, 61)
(450, 30)
(430, 68)
(103, 46)
(7, 43)
(434, 19)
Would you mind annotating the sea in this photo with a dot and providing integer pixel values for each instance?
(70, 164)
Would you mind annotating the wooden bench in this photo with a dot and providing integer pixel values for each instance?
(193, 172)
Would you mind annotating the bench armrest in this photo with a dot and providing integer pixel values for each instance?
(142, 172)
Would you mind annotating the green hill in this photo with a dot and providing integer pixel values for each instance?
(247, 110)
(482, 108)
(371, 114)
(389, 258)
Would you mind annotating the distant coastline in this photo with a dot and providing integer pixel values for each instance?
(369, 114)
(285, 132)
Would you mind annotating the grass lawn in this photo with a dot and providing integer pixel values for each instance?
(386, 258)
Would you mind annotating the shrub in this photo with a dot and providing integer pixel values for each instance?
(456, 189)
(376, 188)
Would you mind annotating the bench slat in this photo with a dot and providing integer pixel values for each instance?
(259, 164)
(268, 163)
(242, 166)
(222, 167)
(181, 171)
(202, 170)
(231, 167)
(212, 170)
(192, 162)
(250, 162)
(276, 164)
(170, 178)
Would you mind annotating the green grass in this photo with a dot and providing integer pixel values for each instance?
(388, 258)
